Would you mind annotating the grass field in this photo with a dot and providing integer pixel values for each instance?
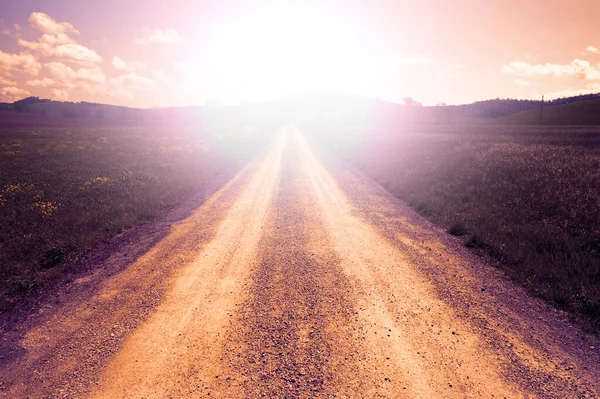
(529, 197)
(64, 189)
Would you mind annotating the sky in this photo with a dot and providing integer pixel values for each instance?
(150, 53)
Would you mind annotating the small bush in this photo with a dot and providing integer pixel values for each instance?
(54, 257)
(458, 229)
(590, 308)
(476, 243)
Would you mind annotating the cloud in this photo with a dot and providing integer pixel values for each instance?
(69, 76)
(521, 82)
(48, 46)
(127, 85)
(21, 62)
(64, 79)
(46, 41)
(8, 30)
(592, 49)
(6, 82)
(589, 89)
(77, 52)
(577, 68)
(55, 41)
(131, 66)
(59, 95)
(13, 93)
(46, 82)
(162, 36)
(93, 81)
(134, 81)
(45, 24)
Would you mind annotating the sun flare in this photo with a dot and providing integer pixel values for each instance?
(279, 51)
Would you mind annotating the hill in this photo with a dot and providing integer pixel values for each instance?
(576, 113)
(33, 111)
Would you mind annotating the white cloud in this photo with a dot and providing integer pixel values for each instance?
(131, 66)
(47, 47)
(59, 95)
(163, 36)
(589, 89)
(46, 82)
(21, 62)
(127, 85)
(577, 68)
(77, 52)
(592, 49)
(521, 82)
(134, 81)
(6, 82)
(13, 93)
(56, 42)
(67, 75)
(45, 24)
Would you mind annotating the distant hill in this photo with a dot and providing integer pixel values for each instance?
(499, 108)
(33, 111)
(574, 113)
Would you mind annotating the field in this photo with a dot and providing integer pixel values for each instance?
(528, 197)
(64, 189)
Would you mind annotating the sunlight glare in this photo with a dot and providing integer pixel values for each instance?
(278, 51)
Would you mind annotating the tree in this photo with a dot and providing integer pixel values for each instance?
(410, 102)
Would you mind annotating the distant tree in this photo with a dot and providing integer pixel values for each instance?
(24, 105)
(410, 102)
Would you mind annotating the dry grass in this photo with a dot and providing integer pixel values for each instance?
(63, 190)
(529, 197)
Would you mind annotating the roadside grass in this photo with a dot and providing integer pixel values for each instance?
(64, 189)
(529, 197)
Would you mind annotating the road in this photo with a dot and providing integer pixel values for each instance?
(298, 279)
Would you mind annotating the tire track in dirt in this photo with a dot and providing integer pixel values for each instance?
(177, 352)
(292, 338)
(419, 345)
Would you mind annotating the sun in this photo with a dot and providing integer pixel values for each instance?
(282, 50)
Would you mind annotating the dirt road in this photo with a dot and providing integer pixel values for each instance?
(296, 280)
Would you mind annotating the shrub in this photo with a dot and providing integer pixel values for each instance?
(458, 229)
